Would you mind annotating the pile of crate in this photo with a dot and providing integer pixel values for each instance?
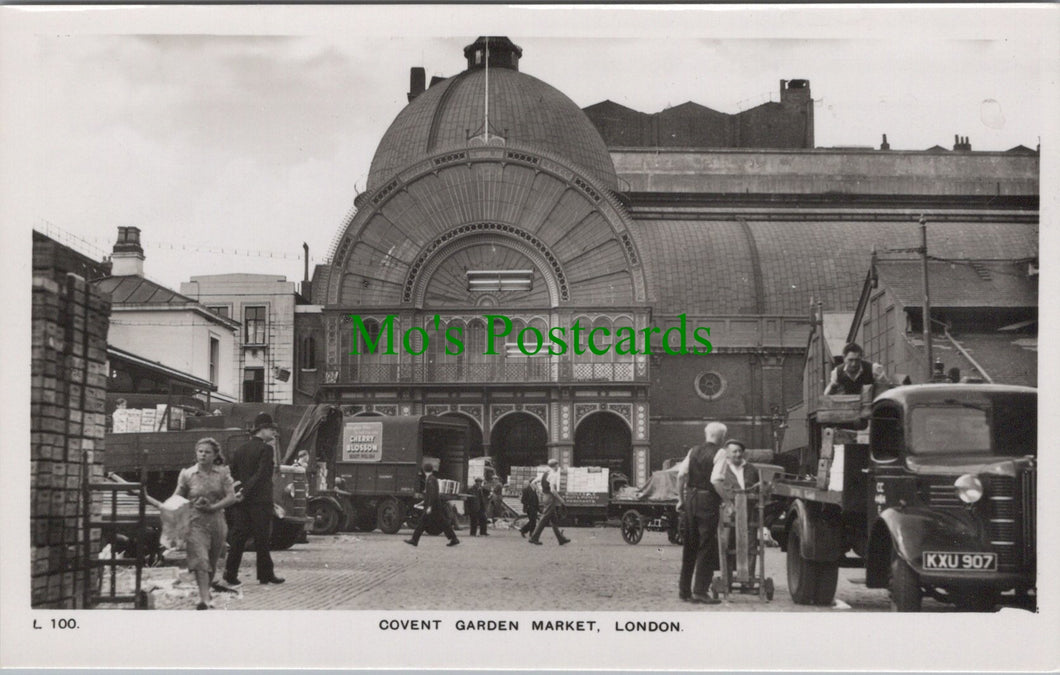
(521, 476)
(70, 319)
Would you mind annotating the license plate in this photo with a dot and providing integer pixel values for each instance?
(970, 562)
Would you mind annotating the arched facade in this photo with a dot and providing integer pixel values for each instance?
(536, 201)
(531, 223)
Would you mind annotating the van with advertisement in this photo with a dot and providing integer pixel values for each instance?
(366, 472)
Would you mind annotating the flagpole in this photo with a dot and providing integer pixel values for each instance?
(486, 128)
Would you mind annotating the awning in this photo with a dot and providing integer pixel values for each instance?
(115, 354)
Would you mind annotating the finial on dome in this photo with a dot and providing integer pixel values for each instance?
(503, 53)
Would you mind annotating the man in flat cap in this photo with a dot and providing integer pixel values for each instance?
(251, 466)
(476, 508)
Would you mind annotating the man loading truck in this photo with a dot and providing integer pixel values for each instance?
(854, 373)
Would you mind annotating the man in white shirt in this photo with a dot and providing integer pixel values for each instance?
(735, 473)
(550, 503)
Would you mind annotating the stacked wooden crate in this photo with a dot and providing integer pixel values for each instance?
(70, 319)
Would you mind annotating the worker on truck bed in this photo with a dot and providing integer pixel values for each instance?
(854, 373)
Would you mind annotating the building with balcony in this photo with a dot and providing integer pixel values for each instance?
(526, 212)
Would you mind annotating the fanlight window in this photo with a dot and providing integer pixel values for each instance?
(491, 281)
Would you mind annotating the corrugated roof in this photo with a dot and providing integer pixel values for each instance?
(718, 266)
(967, 283)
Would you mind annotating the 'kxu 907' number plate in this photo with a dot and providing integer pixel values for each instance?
(972, 562)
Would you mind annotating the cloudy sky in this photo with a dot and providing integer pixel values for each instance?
(232, 135)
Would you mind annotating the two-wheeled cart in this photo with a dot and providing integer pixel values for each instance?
(742, 543)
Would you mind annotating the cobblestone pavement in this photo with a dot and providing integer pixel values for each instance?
(597, 571)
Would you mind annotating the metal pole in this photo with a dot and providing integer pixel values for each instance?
(927, 302)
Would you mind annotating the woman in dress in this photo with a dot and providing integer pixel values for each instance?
(208, 486)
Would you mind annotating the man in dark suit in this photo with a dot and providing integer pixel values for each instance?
(531, 505)
(476, 508)
(251, 465)
(434, 510)
(699, 504)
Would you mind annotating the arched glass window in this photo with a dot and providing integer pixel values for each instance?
(309, 353)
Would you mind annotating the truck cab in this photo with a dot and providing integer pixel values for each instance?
(932, 486)
(951, 501)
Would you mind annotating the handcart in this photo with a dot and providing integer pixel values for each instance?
(742, 544)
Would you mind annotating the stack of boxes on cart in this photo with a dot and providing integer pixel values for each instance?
(520, 476)
(136, 420)
(70, 319)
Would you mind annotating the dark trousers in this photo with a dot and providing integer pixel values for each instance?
(531, 514)
(700, 553)
(248, 520)
(439, 518)
(478, 522)
(548, 518)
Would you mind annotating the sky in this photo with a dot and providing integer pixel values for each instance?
(230, 136)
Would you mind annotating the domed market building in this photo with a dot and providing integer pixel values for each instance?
(493, 194)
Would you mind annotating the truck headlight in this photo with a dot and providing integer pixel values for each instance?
(969, 488)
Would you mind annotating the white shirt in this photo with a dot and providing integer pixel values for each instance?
(718, 474)
(553, 476)
(682, 468)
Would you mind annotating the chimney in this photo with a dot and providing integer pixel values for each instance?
(127, 258)
(961, 144)
(885, 145)
(417, 82)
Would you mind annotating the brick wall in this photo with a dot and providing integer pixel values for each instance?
(70, 319)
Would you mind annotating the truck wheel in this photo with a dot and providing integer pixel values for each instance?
(326, 517)
(976, 599)
(827, 580)
(284, 535)
(905, 587)
(390, 516)
(810, 582)
(632, 529)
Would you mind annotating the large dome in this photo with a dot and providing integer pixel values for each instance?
(522, 109)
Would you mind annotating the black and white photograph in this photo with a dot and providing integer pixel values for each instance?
(670, 337)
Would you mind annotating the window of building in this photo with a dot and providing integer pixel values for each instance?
(254, 319)
(220, 310)
(492, 281)
(309, 353)
(253, 385)
(710, 385)
(215, 355)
